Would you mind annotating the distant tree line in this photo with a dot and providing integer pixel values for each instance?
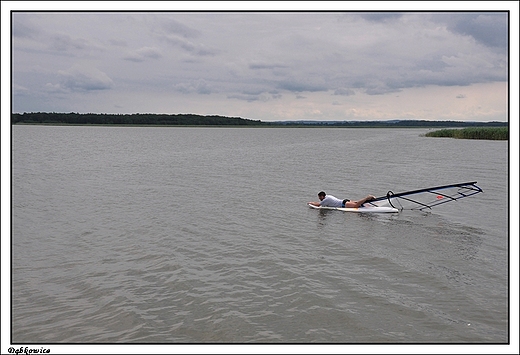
(393, 123)
(215, 120)
(128, 119)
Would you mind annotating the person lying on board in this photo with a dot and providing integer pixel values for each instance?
(331, 201)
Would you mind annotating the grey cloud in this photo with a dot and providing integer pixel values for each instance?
(82, 78)
(20, 90)
(36, 38)
(196, 86)
(301, 86)
(422, 78)
(458, 69)
(488, 28)
(177, 34)
(118, 42)
(144, 53)
(170, 26)
(344, 92)
(56, 89)
(431, 64)
(23, 30)
(61, 42)
(191, 47)
(255, 97)
(257, 66)
(381, 16)
(244, 97)
(381, 90)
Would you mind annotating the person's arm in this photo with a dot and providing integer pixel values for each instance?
(358, 203)
(317, 204)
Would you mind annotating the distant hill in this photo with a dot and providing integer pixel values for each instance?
(150, 119)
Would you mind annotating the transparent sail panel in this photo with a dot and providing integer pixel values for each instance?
(425, 199)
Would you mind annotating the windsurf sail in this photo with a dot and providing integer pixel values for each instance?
(425, 199)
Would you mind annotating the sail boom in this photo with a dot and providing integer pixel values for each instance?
(422, 199)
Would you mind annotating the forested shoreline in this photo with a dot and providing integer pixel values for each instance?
(128, 119)
(148, 119)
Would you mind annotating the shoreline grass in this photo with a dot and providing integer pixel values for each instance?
(488, 133)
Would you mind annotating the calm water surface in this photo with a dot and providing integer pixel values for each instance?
(202, 235)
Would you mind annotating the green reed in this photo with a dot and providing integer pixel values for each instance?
(490, 133)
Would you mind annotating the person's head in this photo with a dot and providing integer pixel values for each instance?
(321, 195)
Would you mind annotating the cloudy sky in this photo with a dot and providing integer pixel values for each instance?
(267, 66)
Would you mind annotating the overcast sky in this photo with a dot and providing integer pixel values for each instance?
(264, 65)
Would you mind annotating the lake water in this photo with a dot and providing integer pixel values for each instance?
(202, 235)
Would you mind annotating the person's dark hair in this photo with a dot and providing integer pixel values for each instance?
(321, 193)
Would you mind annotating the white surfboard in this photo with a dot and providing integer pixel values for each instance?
(363, 209)
(420, 200)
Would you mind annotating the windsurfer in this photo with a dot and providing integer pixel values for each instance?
(331, 201)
